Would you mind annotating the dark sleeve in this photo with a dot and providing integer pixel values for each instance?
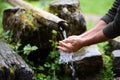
(109, 17)
(112, 30)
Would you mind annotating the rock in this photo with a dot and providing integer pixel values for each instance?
(69, 11)
(12, 66)
(114, 44)
(86, 62)
(116, 62)
(24, 27)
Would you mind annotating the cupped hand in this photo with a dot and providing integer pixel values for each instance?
(71, 44)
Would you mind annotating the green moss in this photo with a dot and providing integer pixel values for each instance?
(29, 20)
(12, 71)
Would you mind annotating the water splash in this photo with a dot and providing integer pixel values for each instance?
(74, 75)
(67, 57)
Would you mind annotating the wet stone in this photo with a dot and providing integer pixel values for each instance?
(86, 62)
(12, 66)
(114, 44)
(70, 11)
(116, 62)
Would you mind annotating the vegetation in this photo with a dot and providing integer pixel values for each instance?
(95, 7)
(88, 7)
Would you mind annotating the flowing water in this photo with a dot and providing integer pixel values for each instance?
(67, 57)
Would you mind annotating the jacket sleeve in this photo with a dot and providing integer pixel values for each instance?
(110, 15)
(112, 30)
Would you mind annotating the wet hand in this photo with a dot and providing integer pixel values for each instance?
(66, 47)
(70, 44)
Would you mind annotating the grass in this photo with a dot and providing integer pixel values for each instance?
(99, 7)
(43, 4)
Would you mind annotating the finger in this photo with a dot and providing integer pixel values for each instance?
(68, 40)
(66, 45)
(60, 43)
(64, 49)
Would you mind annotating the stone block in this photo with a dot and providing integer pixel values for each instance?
(86, 62)
(116, 62)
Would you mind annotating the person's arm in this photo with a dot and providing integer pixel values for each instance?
(74, 43)
(100, 25)
(96, 34)
(95, 38)
(106, 19)
(110, 15)
(112, 30)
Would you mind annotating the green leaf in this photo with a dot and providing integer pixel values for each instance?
(41, 75)
(28, 48)
(41, 68)
(54, 32)
(34, 48)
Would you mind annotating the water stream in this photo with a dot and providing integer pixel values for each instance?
(67, 57)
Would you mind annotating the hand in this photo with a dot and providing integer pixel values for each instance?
(71, 44)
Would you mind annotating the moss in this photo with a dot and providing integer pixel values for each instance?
(28, 19)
